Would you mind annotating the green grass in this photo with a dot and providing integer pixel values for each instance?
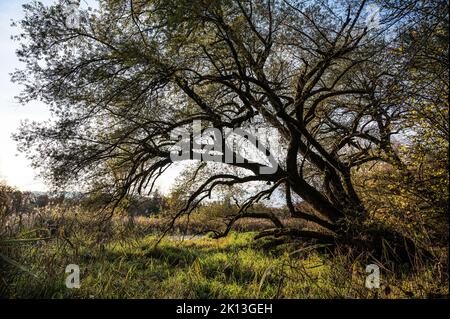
(231, 267)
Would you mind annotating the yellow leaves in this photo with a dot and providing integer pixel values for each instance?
(405, 201)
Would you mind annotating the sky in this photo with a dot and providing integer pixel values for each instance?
(14, 167)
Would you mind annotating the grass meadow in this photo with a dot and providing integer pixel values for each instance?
(128, 259)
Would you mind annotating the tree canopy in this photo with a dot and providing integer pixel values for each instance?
(340, 89)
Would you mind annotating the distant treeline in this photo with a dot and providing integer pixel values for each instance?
(14, 201)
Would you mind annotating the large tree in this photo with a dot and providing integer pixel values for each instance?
(328, 79)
